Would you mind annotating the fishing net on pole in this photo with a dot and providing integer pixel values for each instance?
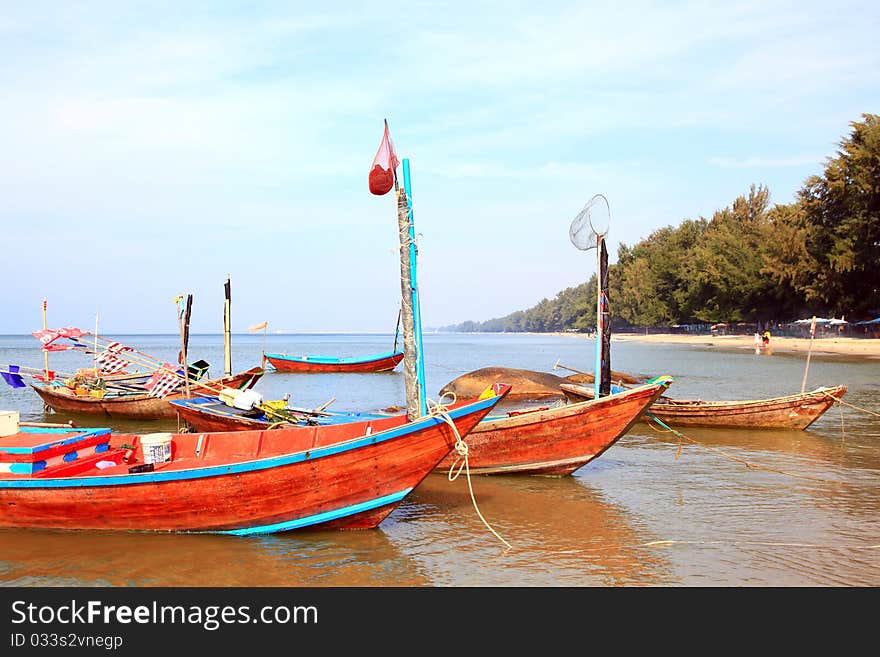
(587, 231)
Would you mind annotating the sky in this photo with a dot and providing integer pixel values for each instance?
(150, 149)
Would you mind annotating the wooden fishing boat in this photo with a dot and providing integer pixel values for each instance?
(347, 475)
(139, 405)
(374, 363)
(789, 412)
(555, 440)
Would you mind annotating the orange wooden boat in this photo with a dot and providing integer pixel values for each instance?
(349, 475)
(311, 363)
(135, 405)
(789, 412)
(555, 440)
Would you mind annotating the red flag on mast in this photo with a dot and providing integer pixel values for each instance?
(384, 164)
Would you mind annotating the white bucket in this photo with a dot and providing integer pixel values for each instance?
(156, 447)
(247, 399)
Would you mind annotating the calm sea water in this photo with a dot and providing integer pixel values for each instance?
(648, 512)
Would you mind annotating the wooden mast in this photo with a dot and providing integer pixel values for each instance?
(414, 290)
(183, 316)
(227, 341)
(45, 353)
(597, 370)
(410, 354)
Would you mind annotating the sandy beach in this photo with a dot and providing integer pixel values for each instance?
(848, 347)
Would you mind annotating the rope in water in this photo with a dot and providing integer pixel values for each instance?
(438, 409)
(748, 464)
(858, 408)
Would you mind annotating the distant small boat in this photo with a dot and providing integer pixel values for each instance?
(374, 363)
(349, 475)
(797, 411)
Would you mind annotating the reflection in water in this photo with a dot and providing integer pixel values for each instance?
(561, 533)
(727, 524)
(59, 558)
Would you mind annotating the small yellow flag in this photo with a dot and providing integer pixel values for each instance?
(258, 327)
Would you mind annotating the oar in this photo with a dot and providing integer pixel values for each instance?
(326, 404)
(620, 376)
(557, 366)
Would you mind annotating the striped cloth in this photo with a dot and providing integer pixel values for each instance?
(163, 383)
(109, 363)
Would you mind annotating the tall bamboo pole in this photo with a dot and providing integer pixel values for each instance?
(227, 341)
(95, 359)
(414, 291)
(809, 351)
(410, 355)
(45, 353)
(181, 312)
(597, 374)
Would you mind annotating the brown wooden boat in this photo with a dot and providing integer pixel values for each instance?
(789, 412)
(555, 440)
(136, 405)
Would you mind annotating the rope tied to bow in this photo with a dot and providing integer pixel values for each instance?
(440, 410)
(853, 406)
(748, 464)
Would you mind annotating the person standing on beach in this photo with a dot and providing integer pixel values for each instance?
(766, 340)
(757, 342)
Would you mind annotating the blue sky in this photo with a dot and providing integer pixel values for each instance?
(151, 148)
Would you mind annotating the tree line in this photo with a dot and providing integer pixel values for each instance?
(750, 262)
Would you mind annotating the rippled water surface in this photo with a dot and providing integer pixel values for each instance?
(720, 508)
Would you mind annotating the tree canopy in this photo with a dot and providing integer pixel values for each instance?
(748, 262)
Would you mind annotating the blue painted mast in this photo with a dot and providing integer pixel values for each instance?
(414, 292)
(597, 370)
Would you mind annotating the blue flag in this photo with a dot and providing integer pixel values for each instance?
(12, 377)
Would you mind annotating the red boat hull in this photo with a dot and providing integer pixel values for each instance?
(342, 476)
(555, 441)
(204, 422)
(797, 411)
(136, 406)
(304, 365)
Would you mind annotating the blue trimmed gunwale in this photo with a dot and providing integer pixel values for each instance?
(316, 519)
(246, 466)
